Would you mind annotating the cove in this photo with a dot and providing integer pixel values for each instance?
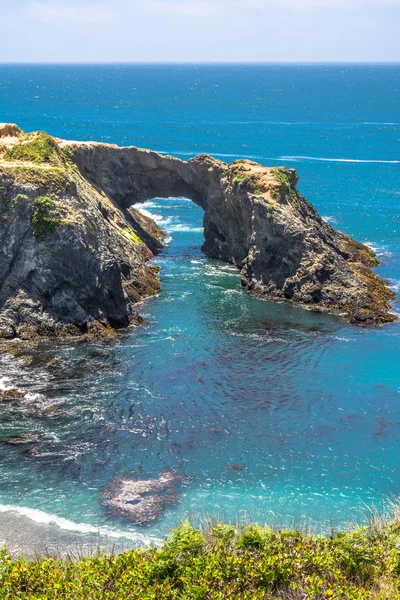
(317, 424)
(215, 378)
(76, 250)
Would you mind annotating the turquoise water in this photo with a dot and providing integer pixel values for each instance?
(309, 407)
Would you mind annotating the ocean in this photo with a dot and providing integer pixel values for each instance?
(274, 413)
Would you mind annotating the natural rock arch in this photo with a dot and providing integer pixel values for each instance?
(75, 251)
(254, 218)
(131, 175)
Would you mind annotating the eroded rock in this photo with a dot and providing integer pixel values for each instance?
(23, 440)
(142, 500)
(11, 396)
(256, 219)
(72, 263)
(74, 256)
(10, 130)
(236, 467)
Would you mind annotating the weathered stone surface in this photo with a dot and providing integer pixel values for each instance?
(11, 396)
(71, 261)
(74, 251)
(254, 218)
(23, 440)
(142, 500)
(9, 130)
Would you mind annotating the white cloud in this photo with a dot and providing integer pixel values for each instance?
(104, 11)
(200, 30)
(82, 13)
(301, 5)
(193, 8)
(207, 7)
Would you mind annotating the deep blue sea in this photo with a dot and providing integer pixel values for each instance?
(308, 406)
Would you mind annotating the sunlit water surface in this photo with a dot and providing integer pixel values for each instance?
(305, 407)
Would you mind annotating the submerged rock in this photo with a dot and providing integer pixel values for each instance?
(236, 467)
(74, 252)
(22, 440)
(142, 500)
(11, 396)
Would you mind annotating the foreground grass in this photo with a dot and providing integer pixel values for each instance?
(252, 563)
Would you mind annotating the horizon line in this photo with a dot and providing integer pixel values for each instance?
(201, 63)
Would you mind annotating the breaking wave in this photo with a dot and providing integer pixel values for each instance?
(39, 516)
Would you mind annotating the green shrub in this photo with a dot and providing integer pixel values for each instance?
(19, 197)
(281, 177)
(37, 148)
(250, 180)
(222, 531)
(44, 218)
(185, 540)
(254, 564)
(255, 536)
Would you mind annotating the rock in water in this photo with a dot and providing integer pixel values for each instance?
(142, 500)
(74, 252)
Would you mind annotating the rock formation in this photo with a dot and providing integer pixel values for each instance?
(142, 500)
(71, 261)
(74, 252)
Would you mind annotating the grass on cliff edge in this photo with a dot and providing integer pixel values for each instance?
(253, 563)
(37, 147)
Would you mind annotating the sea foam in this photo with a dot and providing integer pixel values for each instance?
(39, 516)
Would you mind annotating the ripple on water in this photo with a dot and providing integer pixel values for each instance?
(261, 404)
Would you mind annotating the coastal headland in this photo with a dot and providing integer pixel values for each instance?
(75, 255)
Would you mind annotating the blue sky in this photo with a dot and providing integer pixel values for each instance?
(200, 31)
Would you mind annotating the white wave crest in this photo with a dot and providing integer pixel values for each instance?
(295, 158)
(380, 251)
(184, 228)
(329, 219)
(395, 285)
(168, 223)
(340, 160)
(159, 219)
(5, 384)
(39, 516)
(147, 204)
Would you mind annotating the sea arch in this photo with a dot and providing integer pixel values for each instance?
(254, 218)
(129, 176)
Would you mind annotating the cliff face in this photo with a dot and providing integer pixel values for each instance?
(74, 253)
(254, 218)
(71, 262)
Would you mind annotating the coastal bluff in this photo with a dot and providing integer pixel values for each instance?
(75, 252)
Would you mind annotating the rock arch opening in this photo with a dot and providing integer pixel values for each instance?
(89, 262)
(131, 176)
(255, 219)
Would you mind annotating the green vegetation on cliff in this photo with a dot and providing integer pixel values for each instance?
(37, 147)
(282, 177)
(253, 563)
(44, 219)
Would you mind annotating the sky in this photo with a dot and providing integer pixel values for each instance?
(200, 31)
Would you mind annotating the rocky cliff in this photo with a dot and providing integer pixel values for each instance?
(74, 252)
(71, 261)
